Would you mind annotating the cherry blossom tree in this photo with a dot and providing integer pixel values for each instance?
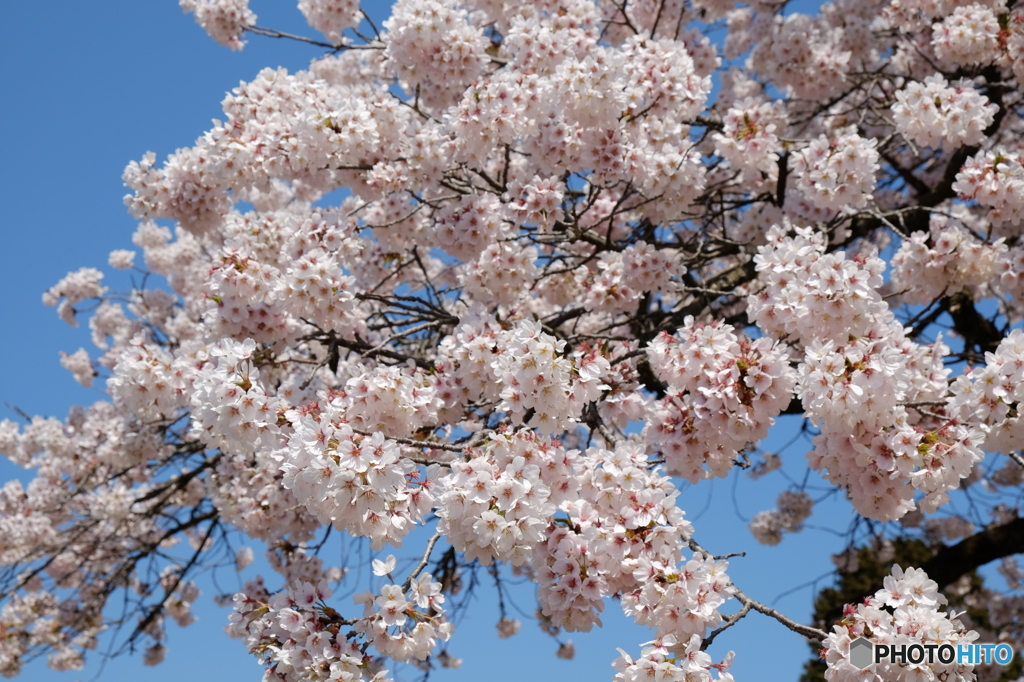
(488, 281)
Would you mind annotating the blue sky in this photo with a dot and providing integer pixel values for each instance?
(90, 86)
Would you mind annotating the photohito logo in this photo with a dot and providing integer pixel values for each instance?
(863, 653)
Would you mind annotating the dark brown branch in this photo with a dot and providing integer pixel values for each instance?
(721, 283)
(780, 186)
(366, 350)
(954, 561)
(977, 330)
(157, 609)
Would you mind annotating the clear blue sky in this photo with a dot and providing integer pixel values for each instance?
(90, 86)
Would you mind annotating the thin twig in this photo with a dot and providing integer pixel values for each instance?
(813, 634)
(423, 561)
(271, 33)
(1015, 456)
(730, 621)
(432, 444)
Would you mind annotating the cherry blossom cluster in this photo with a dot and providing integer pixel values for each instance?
(951, 528)
(990, 396)
(724, 392)
(40, 617)
(947, 258)
(623, 277)
(676, 178)
(184, 593)
(79, 365)
(76, 287)
(299, 637)
(791, 510)
(646, 268)
(749, 139)
(857, 370)
(648, 524)
(317, 289)
(431, 43)
(770, 462)
(892, 454)
(968, 36)
(466, 229)
(1014, 43)
(802, 53)
(639, 556)
(187, 190)
(223, 20)
(496, 506)
(910, 12)
(391, 400)
(414, 610)
(994, 179)
(360, 484)
(251, 493)
(810, 294)
(1009, 278)
(538, 201)
(501, 274)
(229, 403)
(468, 355)
(148, 382)
(666, 79)
(904, 612)
(331, 17)
(622, 403)
(673, 660)
(839, 172)
(121, 259)
(682, 600)
(279, 126)
(290, 254)
(935, 112)
(537, 377)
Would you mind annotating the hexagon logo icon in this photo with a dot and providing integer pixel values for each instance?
(861, 653)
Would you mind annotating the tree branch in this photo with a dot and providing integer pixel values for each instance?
(953, 561)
